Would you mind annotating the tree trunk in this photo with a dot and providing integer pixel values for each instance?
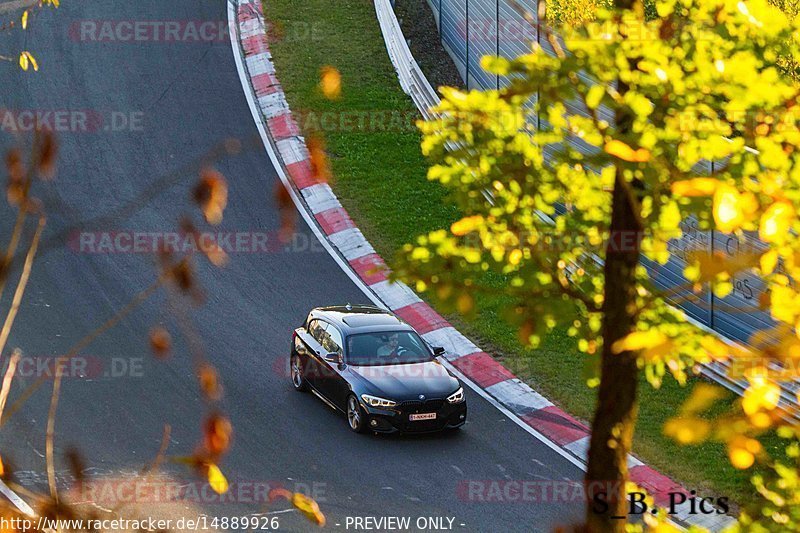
(617, 405)
(615, 416)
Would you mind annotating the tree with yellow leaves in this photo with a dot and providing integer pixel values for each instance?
(565, 212)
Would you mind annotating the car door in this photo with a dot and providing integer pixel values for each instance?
(313, 350)
(334, 386)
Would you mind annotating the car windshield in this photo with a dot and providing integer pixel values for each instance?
(386, 348)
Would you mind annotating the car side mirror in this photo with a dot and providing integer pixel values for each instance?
(334, 358)
(438, 350)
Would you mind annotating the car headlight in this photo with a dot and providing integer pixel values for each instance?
(457, 396)
(374, 401)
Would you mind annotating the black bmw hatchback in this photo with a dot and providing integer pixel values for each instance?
(372, 366)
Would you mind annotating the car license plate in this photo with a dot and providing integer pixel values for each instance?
(422, 416)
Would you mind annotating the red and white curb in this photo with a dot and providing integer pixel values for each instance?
(354, 253)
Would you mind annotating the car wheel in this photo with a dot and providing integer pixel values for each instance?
(299, 382)
(356, 418)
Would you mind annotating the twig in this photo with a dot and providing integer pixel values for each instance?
(23, 282)
(12, 248)
(12, 368)
(162, 450)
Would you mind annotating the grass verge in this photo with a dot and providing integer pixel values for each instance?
(380, 179)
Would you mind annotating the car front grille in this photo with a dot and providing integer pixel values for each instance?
(421, 406)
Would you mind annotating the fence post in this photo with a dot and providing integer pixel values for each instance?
(711, 320)
(537, 29)
(497, 38)
(466, 17)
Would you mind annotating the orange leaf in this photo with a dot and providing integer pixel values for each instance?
(695, 187)
(622, 151)
(331, 83)
(211, 194)
(160, 342)
(309, 508)
(209, 382)
(320, 167)
(217, 434)
(466, 225)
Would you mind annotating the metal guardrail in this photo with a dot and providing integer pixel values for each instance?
(412, 80)
(417, 86)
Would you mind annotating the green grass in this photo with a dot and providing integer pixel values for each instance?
(380, 179)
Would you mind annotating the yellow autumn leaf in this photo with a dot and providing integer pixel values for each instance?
(768, 262)
(784, 304)
(775, 222)
(465, 303)
(702, 397)
(622, 151)
(309, 508)
(26, 59)
(216, 479)
(25, 19)
(732, 209)
(639, 340)
(715, 348)
(742, 451)
(695, 187)
(741, 458)
(687, 431)
(330, 83)
(466, 225)
(760, 395)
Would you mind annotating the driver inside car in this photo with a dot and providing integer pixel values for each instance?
(390, 348)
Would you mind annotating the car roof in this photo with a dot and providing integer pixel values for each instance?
(353, 319)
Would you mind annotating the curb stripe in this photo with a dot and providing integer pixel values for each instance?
(264, 83)
(422, 317)
(557, 425)
(255, 44)
(352, 245)
(483, 369)
(370, 268)
(320, 197)
(455, 344)
(300, 173)
(656, 483)
(273, 104)
(260, 64)
(334, 220)
(518, 396)
(283, 126)
(292, 149)
(394, 295)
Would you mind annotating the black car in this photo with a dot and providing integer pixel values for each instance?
(376, 369)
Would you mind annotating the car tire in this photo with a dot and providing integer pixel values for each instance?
(296, 369)
(356, 417)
